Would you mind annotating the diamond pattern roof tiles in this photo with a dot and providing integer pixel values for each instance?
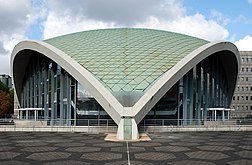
(127, 59)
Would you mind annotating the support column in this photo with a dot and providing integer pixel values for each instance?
(215, 115)
(68, 100)
(127, 129)
(20, 114)
(75, 102)
(27, 91)
(35, 86)
(35, 115)
(39, 84)
(61, 97)
(223, 115)
(190, 99)
(218, 83)
(198, 92)
(210, 83)
(185, 97)
(53, 109)
(31, 86)
(215, 83)
(26, 114)
(205, 94)
(45, 83)
(180, 100)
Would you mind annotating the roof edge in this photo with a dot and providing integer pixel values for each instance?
(103, 96)
(153, 95)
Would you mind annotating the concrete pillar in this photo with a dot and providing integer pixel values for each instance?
(26, 114)
(180, 99)
(190, 95)
(75, 102)
(210, 103)
(198, 92)
(20, 114)
(185, 99)
(35, 115)
(61, 97)
(127, 129)
(45, 83)
(205, 93)
(69, 99)
(223, 115)
(215, 115)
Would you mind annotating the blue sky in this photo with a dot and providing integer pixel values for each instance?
(237, 12)
(41, 19)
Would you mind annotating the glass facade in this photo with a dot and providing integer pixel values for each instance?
(52, 94)
(194, 98)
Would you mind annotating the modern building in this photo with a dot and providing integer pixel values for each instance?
(6, 79)
(127, 75)
(242, 99)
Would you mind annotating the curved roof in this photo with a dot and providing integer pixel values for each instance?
(126, 70)
(127, 60)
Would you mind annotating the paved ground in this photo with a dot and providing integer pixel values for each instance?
(201, 148)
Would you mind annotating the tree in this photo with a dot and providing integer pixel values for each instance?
(6, 100)
(4, 87)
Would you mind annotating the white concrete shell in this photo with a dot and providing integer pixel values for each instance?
(155, 93)
(19, 61)
(24, 49)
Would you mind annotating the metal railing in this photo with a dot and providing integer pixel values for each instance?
(106, 123)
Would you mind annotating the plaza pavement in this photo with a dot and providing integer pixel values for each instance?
(189, 148)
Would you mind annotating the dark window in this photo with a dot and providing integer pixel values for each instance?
(246, 97)
(234, 98)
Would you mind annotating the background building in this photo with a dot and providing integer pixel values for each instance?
(127, 75)
(6, 79)
(242, 99)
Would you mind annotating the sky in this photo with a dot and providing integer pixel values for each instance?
(213, 20)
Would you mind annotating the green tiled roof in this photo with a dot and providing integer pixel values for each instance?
(127, 59)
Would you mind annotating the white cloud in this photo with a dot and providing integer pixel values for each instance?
(244, 44)
(195, 25)
(55, 26)
(15, 17)
(163, 14)
(125, 13)
(249, 1)
(8, 43)
(5, 65)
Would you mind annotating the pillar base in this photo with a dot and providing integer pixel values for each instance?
(127, 129)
